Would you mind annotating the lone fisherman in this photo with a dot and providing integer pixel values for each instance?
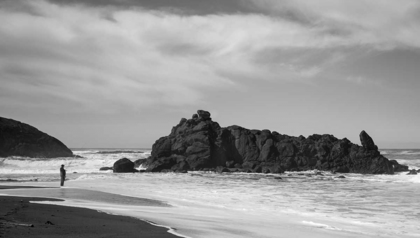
(62, 174)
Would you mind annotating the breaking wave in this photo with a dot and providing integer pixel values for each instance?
(86, 161)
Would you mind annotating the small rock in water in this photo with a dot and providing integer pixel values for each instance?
(181, 171)
(124, 165)
(412, 172)
(49, 223)
(221, 169)
(195, 175)
(398, 167)
(341, 176)
(105, 168)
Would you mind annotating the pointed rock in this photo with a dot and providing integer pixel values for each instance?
(367, 141)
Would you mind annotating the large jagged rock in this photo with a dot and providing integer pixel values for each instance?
(199, 143)
(189, 146)
(20, 139)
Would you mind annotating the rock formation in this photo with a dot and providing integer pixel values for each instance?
(124, 165)
(19, 139)
(201, 144)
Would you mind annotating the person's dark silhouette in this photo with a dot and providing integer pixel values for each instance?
(62, 174)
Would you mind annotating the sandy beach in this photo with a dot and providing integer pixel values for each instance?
(74, 212)
(21, 218)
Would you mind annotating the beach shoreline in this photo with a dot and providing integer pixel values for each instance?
(25, 217)
(211, 205)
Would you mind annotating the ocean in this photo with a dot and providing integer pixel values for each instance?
(206, 204)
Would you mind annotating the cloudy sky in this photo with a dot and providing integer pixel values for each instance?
(121, 73)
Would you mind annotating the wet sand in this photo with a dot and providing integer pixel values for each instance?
(18, 187)
(20, 218)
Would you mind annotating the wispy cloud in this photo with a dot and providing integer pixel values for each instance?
(380, 24)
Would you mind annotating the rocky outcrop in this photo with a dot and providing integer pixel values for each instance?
(201, 144)
(20, 139)
(124, 165)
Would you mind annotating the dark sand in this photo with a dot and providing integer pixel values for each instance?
(17, 215)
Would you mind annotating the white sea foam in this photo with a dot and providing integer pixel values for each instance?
(400, 152)
(415, 178)
(319, 225)
(413, 164)
(91, 162)
(410, 152)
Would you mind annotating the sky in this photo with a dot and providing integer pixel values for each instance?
(122, 73)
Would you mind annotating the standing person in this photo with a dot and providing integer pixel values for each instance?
(62, 174)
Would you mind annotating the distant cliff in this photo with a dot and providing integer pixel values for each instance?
(19, 139)
(201, 144)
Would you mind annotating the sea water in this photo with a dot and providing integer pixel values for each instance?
(203, 204)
